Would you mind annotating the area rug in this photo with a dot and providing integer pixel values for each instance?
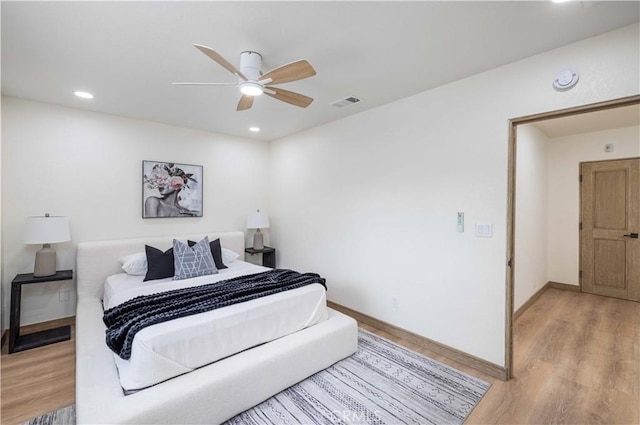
(383, 383)
(64, 416)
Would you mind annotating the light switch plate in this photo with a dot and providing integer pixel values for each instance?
(460, 222)
(484, 230)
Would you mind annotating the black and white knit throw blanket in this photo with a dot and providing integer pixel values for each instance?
(125, 320)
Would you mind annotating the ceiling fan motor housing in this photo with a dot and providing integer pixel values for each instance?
(251, 65)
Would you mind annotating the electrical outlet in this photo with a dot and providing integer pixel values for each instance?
(64, 295)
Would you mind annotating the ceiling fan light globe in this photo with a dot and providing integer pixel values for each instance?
(251, 89)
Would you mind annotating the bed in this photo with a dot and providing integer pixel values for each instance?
(203, 393)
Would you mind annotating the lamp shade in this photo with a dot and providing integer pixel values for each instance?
(258, 220)
(46, 229)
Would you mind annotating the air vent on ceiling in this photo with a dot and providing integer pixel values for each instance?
(345, 102)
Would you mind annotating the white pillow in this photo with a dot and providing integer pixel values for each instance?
(135, 264)
(228, 255)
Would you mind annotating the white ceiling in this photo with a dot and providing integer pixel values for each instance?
(607, 119)
(128, 53)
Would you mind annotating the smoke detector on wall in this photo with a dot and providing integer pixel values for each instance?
(565, 80)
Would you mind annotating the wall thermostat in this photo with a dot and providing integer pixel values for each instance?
(565, 79)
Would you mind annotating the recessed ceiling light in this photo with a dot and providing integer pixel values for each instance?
(83, 94)
(254, 129)
(560, 1)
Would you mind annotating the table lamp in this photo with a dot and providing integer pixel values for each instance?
(46, 230)
(258, 220)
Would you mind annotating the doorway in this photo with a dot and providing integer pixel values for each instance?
(511, 212)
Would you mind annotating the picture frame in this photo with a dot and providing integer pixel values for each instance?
(171, 189)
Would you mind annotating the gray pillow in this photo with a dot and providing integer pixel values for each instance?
(192, 261)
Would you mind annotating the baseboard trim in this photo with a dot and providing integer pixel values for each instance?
(524, 307)
(479, 364)
(563, 286)
(36, 327)
(49, 324)
(555, 285)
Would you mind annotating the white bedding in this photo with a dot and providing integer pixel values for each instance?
(172, 348)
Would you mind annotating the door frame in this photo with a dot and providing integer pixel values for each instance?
(511, 201)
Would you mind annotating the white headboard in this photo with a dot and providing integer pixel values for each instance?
(99, 259)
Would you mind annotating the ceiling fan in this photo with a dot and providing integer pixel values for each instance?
(253, 83)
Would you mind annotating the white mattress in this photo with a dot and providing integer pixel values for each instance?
(169, 349)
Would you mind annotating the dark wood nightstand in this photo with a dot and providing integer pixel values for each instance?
(37, 339)
(268, 255)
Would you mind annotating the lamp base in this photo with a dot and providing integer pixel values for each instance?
(258, 240)
(45, 264)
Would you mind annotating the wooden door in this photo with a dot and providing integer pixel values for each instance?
(610, 223)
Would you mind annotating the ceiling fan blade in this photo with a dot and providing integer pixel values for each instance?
(221, 61)
(245, 102)
(206, 84)
(295, 99)
(290, 72)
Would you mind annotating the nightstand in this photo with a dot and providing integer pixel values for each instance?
(37, 339)
(268, 255)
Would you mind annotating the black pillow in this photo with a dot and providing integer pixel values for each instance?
(159, 264)
(216, 252)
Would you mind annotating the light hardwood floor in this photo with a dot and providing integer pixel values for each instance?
(577, 361)
(37, 381)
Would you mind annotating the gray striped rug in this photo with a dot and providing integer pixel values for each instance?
(64, 416)
(383, 383)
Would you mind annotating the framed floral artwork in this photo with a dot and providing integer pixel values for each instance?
(171, 190)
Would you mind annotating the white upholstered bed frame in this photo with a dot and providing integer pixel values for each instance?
(211, 394)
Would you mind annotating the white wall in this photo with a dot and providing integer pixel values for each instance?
(2, 321)
(564, 157)
(531, 214)
(370, 201)
(88, 167)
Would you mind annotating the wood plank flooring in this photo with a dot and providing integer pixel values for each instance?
(37, 381)
(577, 361)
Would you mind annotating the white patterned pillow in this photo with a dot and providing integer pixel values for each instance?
(135, 264)
(192, 261)
(229, 256)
